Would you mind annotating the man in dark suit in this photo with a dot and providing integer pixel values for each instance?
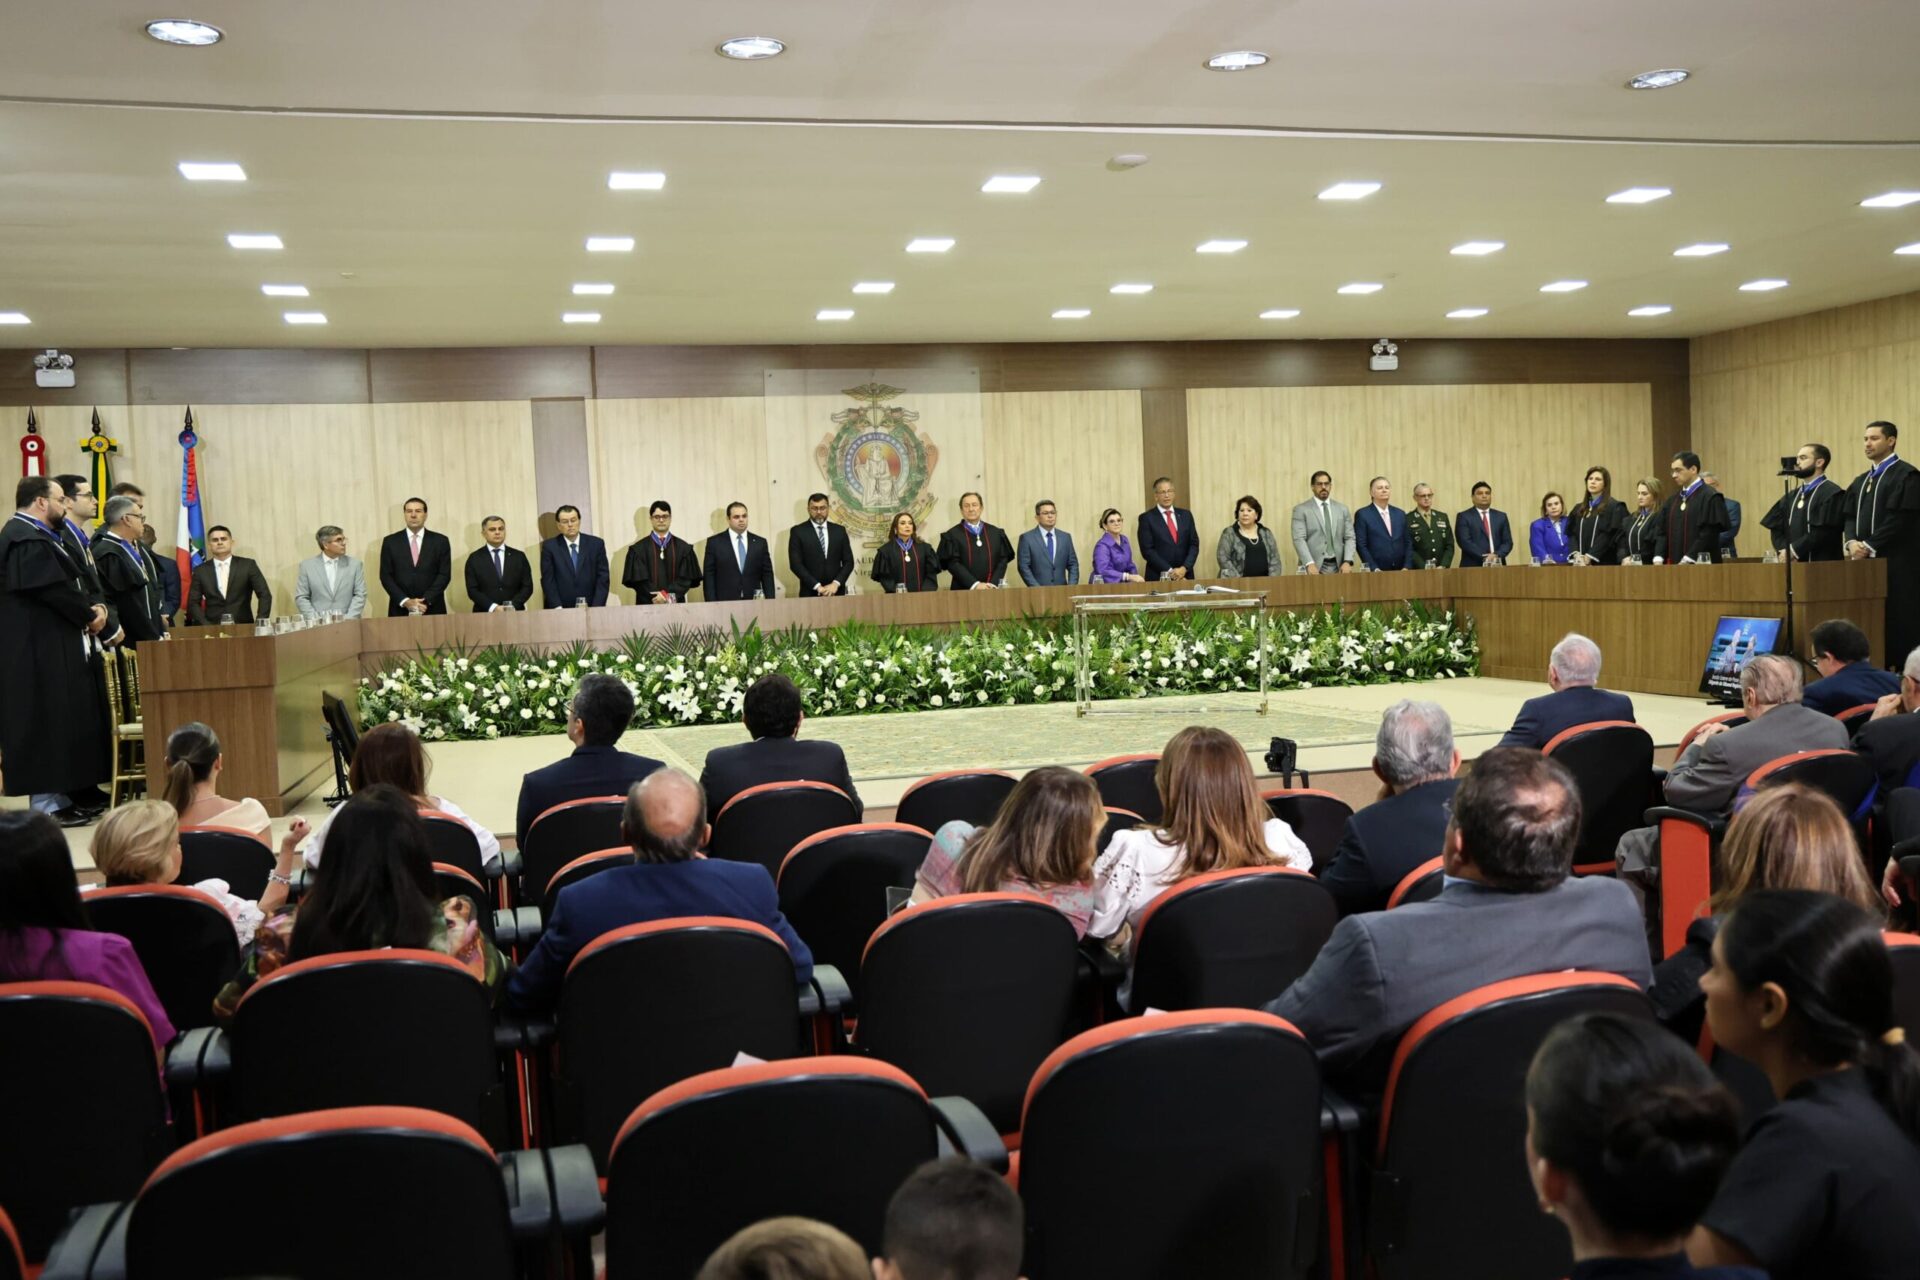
(1694, 517)
(1727, 549)
(819, 551)
(1046, 553)
(738, 564)
(974, 554)
(1167, 539)
(170, 592)
(129, 575)
(1484, 536)
(601, 710)
(660, 568)
(1573, 669)
(1848, 678)
(1813, 517)
(1415, 760)
(1890, 742)
(499, 578)
(573, 565)
(1380, 529)
(416, 564)
(666, 823)
(1883, 523)
(1510, 909)
(776, 754)
(225, 584)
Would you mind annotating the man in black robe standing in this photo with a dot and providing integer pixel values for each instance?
(1810, 517)
(974, 554)
(1883, 523)
(55, 734)
(1694, 517)
(660, 568)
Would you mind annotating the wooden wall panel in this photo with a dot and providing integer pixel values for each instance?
(265, 376)
(480, 373)
(1523, 439)
(99, 377)
(1082, 449)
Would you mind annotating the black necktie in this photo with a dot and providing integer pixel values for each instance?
(499, 568)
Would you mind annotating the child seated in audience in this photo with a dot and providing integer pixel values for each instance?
(1802, 987)
(139, 843)
(952, 1219)
(392, 754)
(787, 1249)
(1628, 1134)
(1042, 842)
(375, 890)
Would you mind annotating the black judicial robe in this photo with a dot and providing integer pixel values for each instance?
(918, 569)
(1643, 535)
(55, 733)
(1813, 522)
(1693, 523)
(1884, 513)
(651, 568)
(1599, 531)
(969, 558)
(131, 577)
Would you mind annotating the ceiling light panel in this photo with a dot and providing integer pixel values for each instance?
(750, 48)
(609, 244)
(14, 317)
(930, 244)
(1639, 195)
(185, 31)
(1001, 184)
(1350, 191)
(1699, 250)
(1564, 286)
(1656, 309)
(284, 290)
(1466, 313)
(204, 171)
(305, 317)
(1280, 313)
(1762, 286)
(250, 240)
(1220, 246)
(1478, 248)
(1237, 60)
(1363, 286)
(589, 290)
(580, 317)
(873, 286)
(1909, 249)
(621, 180)
(1891, 200)
(1138, 287)
(1665, 78)
(834, 313)
(1072, 313)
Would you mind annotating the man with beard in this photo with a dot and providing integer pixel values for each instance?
(1883, 523)
(1810, 519)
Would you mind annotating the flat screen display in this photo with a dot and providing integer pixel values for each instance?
(1736, 642)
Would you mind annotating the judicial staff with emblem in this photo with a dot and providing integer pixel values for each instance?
(661, 568)
(416, 564)
(903, 562)
(130, 576)
(1883, 523)
(1695, 516)
(1597, 528)
(1644, 539)
(82, 506)
(975, 555)
(499, 577)
(573, 565)
(739, 563)
(1810, 518)
(819, 551)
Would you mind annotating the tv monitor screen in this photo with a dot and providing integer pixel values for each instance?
(1736, 642)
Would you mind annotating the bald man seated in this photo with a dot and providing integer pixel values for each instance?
(666, 823)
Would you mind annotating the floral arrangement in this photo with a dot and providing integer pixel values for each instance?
(701, 677)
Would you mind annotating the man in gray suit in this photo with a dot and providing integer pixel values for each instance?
(1707, 776)
(1509, 909)
(333, 581)
(1323, 530)
(1046, 556)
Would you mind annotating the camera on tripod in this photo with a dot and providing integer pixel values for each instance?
(1283, 754)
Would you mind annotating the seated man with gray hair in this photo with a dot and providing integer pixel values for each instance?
(666, 823)
(1415, 760)
(1573, 670)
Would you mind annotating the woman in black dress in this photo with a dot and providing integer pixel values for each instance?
(1644, 535)
(1597, 527)
(903, 562)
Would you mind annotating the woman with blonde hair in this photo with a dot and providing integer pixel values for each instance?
(1644, 537)
(1787, 837)
(139, 843)
(1042, 842)
(1212, 819)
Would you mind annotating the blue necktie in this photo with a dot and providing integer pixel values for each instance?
(1050, 559)
(573, 549)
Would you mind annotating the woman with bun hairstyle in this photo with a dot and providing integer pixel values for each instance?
(1627, 1136)
(1802, 987)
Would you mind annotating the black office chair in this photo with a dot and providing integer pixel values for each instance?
(225, 853)
(763, 823)
(559, 835)
(1612, 766)
(1126, 782)
(833, 886)
(1229, 939)
(963, 795)
(185, 941)
(1318, 817)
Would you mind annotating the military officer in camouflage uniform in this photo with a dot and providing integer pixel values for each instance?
(1430, 530)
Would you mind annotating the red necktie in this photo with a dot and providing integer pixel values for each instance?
(416, 550)
(1486, 522)
(1173, 530)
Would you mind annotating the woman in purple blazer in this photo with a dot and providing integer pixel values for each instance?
(1112, 555)
(44, 934)
(1549, 532)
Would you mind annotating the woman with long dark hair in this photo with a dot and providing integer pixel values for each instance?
(44, 932)
(1802, 987)
(374, 890)
(1598, 529)
(904, 562)
(1041, 842)
(392, 754)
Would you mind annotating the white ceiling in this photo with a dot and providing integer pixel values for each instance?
(422, 201)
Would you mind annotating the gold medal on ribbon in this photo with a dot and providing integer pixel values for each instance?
(1683, 504)
(1800, 504)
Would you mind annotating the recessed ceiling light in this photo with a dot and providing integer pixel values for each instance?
(1466, 313)
(619, 181)
(305, 317)
(1362, 287)
(1909, 249)
(1280, 313)
(1350, 191)
(1891, 200)
(14, 317)
(750, 48)
(1072, 313)
(1009, 184)
(194, 171)
(873, 286)
(1131, 288)
(1665, 78)
(1237, 60)
(579, 317)
(1658, 309)
(582, 290)
(1699, 250)
(930, 244)
(284, 290)
(1762, 286)
(1639, 195)
(1220, 246)
(185, 31)
(609, 244)
(1478, 248)
(244, 241)
(834, 313)
(1563, 286)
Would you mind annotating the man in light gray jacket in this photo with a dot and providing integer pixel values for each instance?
(1323, 530)
(333, 581)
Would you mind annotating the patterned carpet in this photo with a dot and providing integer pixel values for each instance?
(880, 747)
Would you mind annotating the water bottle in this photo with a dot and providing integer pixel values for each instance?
(758, 594)
(580, 602)
(899, 588)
